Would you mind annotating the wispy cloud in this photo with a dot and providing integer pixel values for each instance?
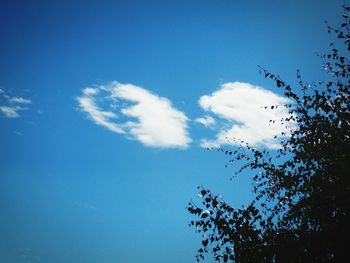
(9, 112)
(19, 100)
(206, 120)
(104, 118)
(26, 254)
(11, 106)
(150, 119)
(240, 108)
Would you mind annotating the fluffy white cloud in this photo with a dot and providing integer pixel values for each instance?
(11, 106)
(151, 119)
(240, 106)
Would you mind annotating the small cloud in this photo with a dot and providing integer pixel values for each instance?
(11, 106)
(88, 206)
(26, 254)
(151, 119)
(240, 109)
(90, 91)
(207, 121)
(28, 258)
(18, 133)
(9, 112)
(19, 100)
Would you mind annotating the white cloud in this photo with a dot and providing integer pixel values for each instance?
(104, 118)
(240, 106)
(19, 100)
(11, 106)
(9, 112)
(206, 120)
(151, 119)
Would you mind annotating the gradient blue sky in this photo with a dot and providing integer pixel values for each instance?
(73, 191)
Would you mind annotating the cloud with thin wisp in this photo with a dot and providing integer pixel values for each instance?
(136, 113)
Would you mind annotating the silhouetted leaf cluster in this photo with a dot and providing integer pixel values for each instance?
(300, 212)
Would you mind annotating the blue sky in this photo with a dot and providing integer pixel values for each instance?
(105, 107)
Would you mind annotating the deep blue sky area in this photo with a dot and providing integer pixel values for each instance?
(73, 191)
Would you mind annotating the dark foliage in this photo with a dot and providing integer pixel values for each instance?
(300, 212)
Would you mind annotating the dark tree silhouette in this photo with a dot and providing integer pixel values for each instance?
(301, 206)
